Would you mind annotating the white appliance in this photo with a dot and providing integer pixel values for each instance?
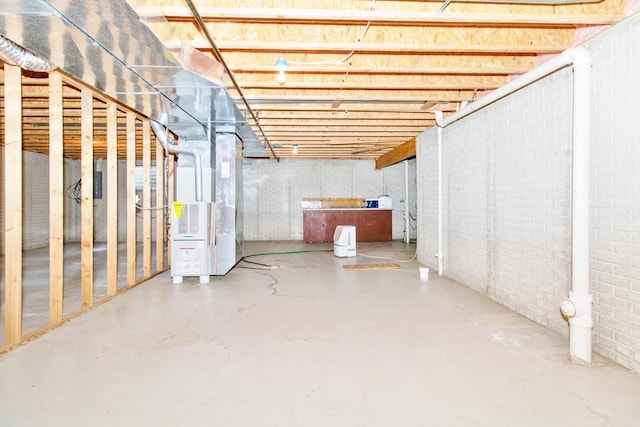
(344, 241)
(384, 202)
(192, 241)
(207, 236)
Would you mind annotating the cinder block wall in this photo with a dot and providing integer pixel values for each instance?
(615, 192)
(506, 190)
(427, 198)
(100, 205)
(507, 206)
(272, 196)
(273, 192)
(35, 201)
(35, 191)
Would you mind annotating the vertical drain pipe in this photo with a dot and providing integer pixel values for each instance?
(439, 255)
(580, 325)
(162, 135)
(578, 307)
(406, 201)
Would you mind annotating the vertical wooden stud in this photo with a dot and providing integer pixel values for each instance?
(86, 207)
(160, 210)
(146, 199)
(112, 198)
(131, 199)
(13, 203)
(56, 201)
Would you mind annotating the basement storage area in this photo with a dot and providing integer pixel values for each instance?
(181, 182)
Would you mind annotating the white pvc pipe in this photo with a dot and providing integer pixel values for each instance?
(406, 201)
(580, 324)
(161, 134)
(440, 255)
(549, 67)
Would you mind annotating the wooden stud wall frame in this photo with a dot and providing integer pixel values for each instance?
(85, 126)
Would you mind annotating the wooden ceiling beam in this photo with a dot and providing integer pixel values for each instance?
(372, 48)
(451, 96)
(352, 109)
(395, 86)
(279, 116)
(322, 121)
(341, 127)
(337, 68)
(314, 134)
(398, 154)
(344, 139)
(376, 17)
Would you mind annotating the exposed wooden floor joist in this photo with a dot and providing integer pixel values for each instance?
(362, 77)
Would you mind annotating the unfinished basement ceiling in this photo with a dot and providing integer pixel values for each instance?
(364, 77)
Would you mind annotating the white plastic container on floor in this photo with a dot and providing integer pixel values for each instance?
(344, 241)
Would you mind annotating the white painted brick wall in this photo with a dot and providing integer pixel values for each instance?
(36, 203)
(427, 198)
(100, 212)
(72, 211)
(100, 207)
(615, 192)
(413, 199)
(35, 200)
(507, 197)
(273, 192)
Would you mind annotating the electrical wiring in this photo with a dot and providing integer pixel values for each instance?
(256, 263)
(261, 265)
(74, 191)
(289, 252)
(413, 223)
(272, 267)
(321, 250)
(364, 33)
(345, 59)
(153, 208)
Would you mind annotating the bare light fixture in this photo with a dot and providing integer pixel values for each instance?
(281, 65)
(295, 148)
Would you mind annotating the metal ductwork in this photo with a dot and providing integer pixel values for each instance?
(105, 44)
(170, 147)
(14, 54)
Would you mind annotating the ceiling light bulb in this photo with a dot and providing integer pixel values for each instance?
(281, 77)
(295, 148)
(281, 65)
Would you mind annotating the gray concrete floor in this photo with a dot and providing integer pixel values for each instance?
(309, 344)
(35, 281)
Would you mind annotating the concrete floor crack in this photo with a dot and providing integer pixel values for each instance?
(272, 286)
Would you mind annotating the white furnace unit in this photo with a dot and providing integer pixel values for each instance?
(344, 241)
(206, 218)
(185, 97)
(192, 241)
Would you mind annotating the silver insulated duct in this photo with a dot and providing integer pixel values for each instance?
(13, 54)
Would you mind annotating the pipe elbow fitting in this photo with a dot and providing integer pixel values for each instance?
(438, 117)
(577, 309)
(568, 309)
(579, 56)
